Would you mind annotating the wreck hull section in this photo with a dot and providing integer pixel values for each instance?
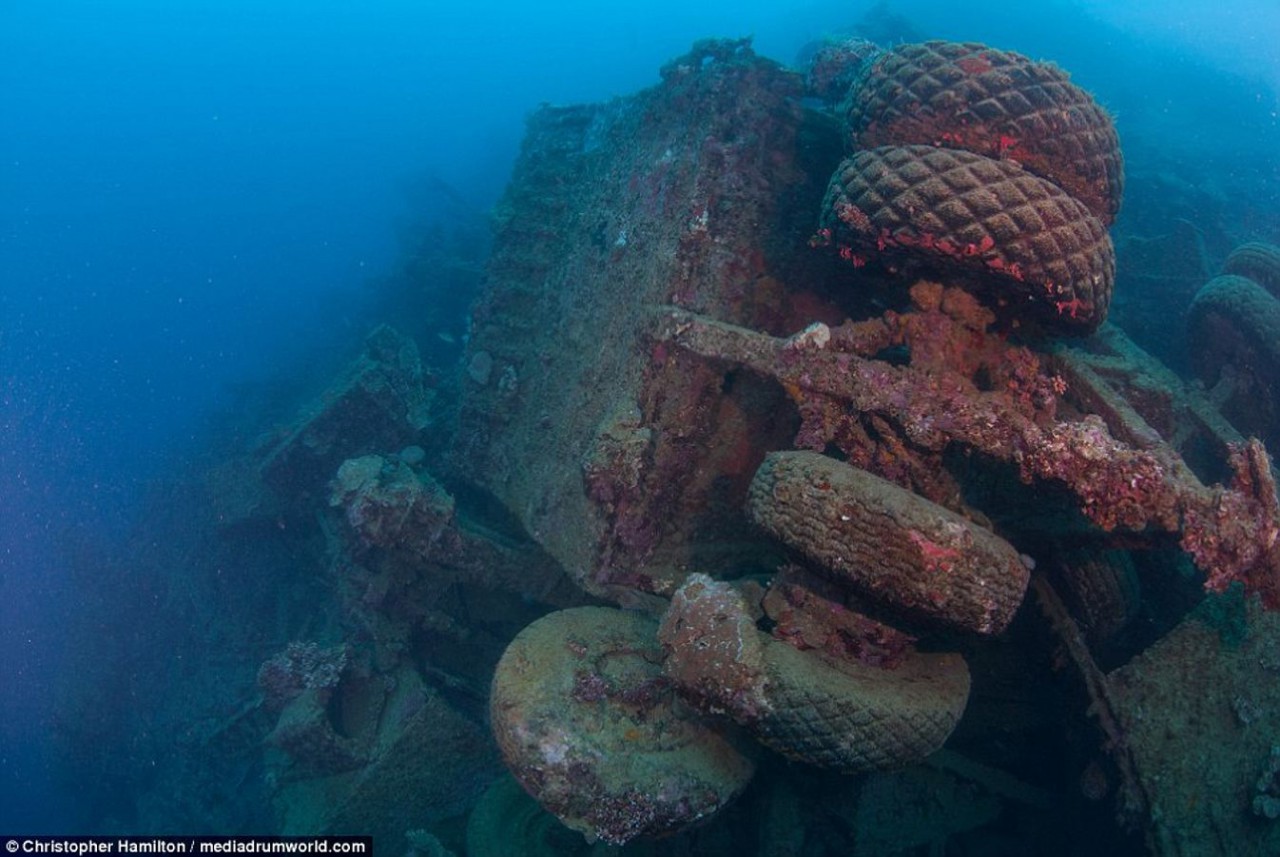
(618, 454)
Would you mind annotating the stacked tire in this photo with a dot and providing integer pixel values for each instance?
(985, 168)
(1233, 335)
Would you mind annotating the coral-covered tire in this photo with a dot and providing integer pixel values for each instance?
(1104, 591)
(589, 725)
(1233, 339)
(1256, 261)
(1018, 240)
(888, 543)
(840, 714)
(995, 103)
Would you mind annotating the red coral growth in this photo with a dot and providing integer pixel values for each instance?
(1116, 486)
(810, 614)
(952, 212)
(934, 557)
(1236, 536)
(976, 64)
(853, 216)
(1232, 533)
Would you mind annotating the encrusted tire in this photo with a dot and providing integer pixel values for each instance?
(1104, 591)
(995, 103)
(591, 727)
(887, 542)
(843, 714)
(1256, 261)
(1233, 336)
(1021, 240)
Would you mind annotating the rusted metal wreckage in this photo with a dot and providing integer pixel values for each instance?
(681, 386)
(823, 430)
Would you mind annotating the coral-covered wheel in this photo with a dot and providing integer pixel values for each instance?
(833, 713)
(1233, 338)
(888, 543)
(1257, 261)
(591, 727)
(995, 103)
(1017, 240)
(1103, 590)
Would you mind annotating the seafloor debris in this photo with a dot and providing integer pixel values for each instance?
(378, 402)
(506, 820)
(298, 685)
(396, 721)
(403, 560)
(299, 668)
